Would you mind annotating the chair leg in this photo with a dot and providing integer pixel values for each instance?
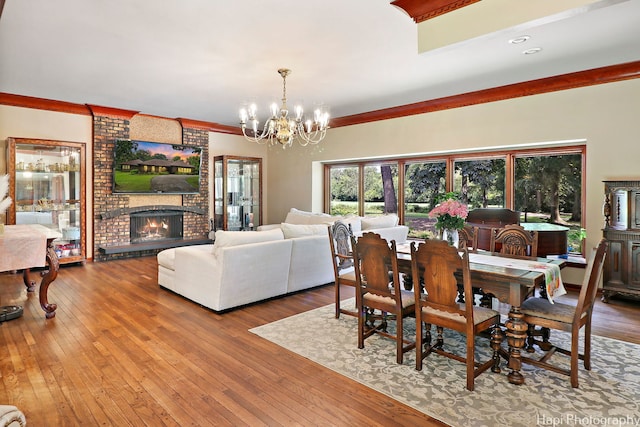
(419, 327)
(471, 362)
(399, 339)
(496, 343)
(575, 358)
(361, 319)
(587, 345)
(337, 300)
(531, 340)
(439, 339)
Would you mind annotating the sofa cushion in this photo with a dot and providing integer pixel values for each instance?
(236, 238)
(380, 221)
(296, 216)
(167, 258)
(292, 231)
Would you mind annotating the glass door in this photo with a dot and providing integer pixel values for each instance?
(237, 193)
(47, 188)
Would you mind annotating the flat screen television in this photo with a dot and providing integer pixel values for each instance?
(156, 168)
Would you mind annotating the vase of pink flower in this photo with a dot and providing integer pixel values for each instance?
(450, 214)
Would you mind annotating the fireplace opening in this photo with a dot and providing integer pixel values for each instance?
(153, 226)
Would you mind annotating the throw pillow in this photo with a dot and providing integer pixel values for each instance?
(296, 216)
(235, 238)
(291, 231)
(381, 221)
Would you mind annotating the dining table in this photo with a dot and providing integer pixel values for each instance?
(28, 246)
(511, 280)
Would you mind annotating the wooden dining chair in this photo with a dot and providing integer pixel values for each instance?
(378, 288)
(436, 264)
(559, 316)
(514, 240)
(468, 237)
(343, 269)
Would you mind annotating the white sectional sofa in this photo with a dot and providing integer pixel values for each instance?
(242, 267)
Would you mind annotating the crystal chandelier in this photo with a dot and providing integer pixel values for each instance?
(279, 128)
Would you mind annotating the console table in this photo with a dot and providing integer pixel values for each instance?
(26, 246)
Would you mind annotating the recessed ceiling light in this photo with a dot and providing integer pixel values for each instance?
(519, 40)
(532, 51)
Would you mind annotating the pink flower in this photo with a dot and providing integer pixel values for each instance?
(450, 214)
(451, 207)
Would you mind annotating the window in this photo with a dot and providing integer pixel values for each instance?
(423, 182)
(548, 188)
(480, 182)
(381, 189)
(344, 184)
(544, 185)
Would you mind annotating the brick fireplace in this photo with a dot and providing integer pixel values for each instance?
(185, 217)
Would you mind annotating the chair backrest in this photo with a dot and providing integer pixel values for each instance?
(374, 258)
(514, 240)
(592, 275)
(468, 237)
(339, 240)
(435, 264)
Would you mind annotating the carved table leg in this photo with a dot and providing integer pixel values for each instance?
(516, 337)
(53, 265)
(28, 282)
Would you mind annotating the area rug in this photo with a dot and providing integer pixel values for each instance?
(609, 394)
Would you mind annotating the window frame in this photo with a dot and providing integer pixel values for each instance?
(450, 158)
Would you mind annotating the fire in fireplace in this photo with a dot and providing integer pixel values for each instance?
(155, 225)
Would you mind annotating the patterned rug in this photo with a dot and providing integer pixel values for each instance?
(609, 394)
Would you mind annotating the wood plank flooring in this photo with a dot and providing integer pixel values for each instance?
(122, 351)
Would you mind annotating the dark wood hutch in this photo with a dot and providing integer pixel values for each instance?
(622, 229)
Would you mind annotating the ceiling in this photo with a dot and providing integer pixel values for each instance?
(203, 59)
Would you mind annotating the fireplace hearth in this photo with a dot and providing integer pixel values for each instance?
(154, 226)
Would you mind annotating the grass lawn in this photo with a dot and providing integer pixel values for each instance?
(132, 182)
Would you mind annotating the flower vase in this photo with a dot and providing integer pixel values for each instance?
(451, 236)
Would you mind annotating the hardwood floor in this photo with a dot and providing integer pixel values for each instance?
(121, 351)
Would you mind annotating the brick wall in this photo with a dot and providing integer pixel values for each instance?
(115, 231)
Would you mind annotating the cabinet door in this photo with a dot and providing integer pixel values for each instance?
(613, 271)
(635, 210)
(237, 193)
(634, 263)
(619, 209)
(47, 187)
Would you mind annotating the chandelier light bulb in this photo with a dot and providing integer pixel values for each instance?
(281, 130)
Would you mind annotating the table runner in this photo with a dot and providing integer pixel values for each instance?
(553, 279)
(552, 276)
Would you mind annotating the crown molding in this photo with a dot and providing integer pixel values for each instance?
(596, 76)
(43, 104)
(114, 113)
(210, 126)
(421, 10)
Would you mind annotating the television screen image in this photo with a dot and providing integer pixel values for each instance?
(154, 167)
